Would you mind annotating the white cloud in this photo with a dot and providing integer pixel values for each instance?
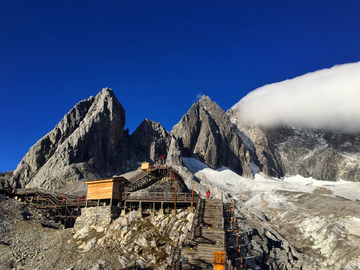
(328, 98)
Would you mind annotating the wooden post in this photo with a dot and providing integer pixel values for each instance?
(234, 213)
(192, 195)
(175, 197)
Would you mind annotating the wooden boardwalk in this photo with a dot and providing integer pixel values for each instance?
(64, 208)
(208, 236)
(50, 199)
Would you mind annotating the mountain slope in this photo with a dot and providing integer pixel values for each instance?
(321, 154)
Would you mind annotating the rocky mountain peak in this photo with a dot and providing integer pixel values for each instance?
(210, 106)
(88, 142)
(150, 141)
(206, 132)
(205, 100)
(152, 127)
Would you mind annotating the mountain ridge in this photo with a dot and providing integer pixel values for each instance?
(91, 142)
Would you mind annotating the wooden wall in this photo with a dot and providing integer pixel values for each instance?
(106, 189)
(116, 190)
(100, 191)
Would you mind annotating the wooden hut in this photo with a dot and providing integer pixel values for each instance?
(145, 165)
(107, 190)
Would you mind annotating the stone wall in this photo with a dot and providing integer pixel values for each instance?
(96, 216)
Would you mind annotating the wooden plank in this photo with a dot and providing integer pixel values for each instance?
(219, 258)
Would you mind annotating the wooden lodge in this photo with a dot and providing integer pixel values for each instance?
(107, 190)
(118, 191)
(125, 192)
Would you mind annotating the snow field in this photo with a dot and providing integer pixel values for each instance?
(235, 184)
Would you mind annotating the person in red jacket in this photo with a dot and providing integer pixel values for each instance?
(208, 194)
(162, 160)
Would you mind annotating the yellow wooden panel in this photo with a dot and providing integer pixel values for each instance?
(145, 165)
(219, 259)
(100, 191)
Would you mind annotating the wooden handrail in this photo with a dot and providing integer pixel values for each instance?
(158, 196)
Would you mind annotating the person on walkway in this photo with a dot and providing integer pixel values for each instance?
(208, 194)
(63, 200)
(162, 159)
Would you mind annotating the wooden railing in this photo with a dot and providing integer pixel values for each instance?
(191, 233)
(48, 198)
(158, 197)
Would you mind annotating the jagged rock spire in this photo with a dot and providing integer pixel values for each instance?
(88, 142)
(206, 132)
(150, 141)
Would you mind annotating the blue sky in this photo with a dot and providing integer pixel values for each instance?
(157, 56)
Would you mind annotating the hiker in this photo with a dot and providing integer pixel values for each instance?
(79, 199)
(208, 194)
(83, 198)
(162, 159)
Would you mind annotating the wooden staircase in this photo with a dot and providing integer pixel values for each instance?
(146, 178)
(208, 236)
(142, 180)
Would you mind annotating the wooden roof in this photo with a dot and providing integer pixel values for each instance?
(104, 180)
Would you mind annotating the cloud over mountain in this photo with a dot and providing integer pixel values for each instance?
(328, 98)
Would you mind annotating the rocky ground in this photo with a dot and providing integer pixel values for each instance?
(286, 230)
(294, 222)
(31, 240)
(306, 230)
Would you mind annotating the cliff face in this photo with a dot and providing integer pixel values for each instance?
(206, 132)
(286, 150)
(262, 146)
(320, 154)
(89, 142)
